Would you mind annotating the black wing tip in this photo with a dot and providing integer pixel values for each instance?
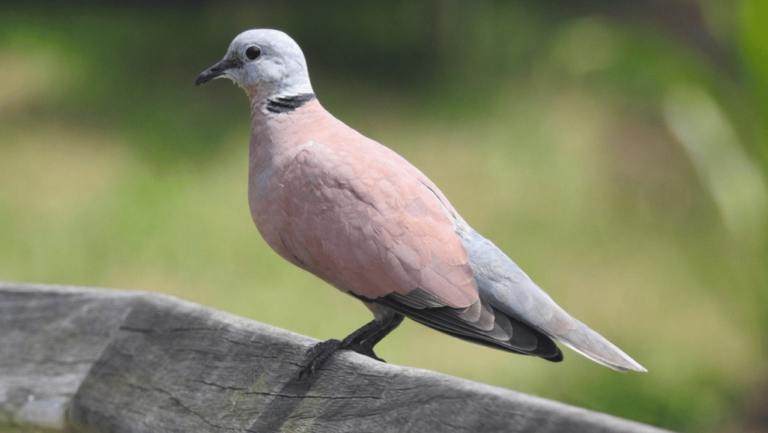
(435, 318)
(556, 358)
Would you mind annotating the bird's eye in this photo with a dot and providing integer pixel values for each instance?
(253, 53)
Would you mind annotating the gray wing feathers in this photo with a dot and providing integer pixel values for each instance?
(511, 291)
(479, 323)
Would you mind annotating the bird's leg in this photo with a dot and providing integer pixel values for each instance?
(361, 341)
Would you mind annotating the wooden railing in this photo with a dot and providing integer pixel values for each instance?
(99, 360)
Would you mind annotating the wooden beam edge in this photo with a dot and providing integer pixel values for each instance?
(117, 360)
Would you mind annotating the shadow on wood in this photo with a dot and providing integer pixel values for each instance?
(95, 360)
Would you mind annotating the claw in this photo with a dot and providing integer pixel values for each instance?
(361, 341)
(318, 355)
(321, 352)
(364, 350)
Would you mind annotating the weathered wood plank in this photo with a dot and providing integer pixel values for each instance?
(50, 336)
(138, 362)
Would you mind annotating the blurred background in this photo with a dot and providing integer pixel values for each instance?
(616, 150)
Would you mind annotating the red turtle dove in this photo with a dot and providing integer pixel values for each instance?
(356, 214)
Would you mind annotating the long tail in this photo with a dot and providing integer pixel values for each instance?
(512, 292)
(580, 338)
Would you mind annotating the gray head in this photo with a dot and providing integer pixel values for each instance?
(263, 62)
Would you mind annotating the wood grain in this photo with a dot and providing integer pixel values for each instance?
(100, 360)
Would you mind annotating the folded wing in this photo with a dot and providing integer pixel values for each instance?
(372, 225)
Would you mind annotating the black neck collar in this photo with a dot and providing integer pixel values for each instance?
(287, 104)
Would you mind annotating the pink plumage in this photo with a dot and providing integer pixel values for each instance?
(352, 211)
(356, 214)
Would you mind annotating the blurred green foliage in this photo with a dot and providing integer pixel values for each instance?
(617, 154)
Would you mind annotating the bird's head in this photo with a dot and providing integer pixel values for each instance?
(264, 62)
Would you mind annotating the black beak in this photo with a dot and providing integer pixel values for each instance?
(217, 70)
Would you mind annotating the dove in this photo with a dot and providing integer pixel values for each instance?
(360, 217)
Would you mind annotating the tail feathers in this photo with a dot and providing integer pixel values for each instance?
(594, 346)
(511, 291)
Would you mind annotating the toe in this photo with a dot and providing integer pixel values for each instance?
(317, 355)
